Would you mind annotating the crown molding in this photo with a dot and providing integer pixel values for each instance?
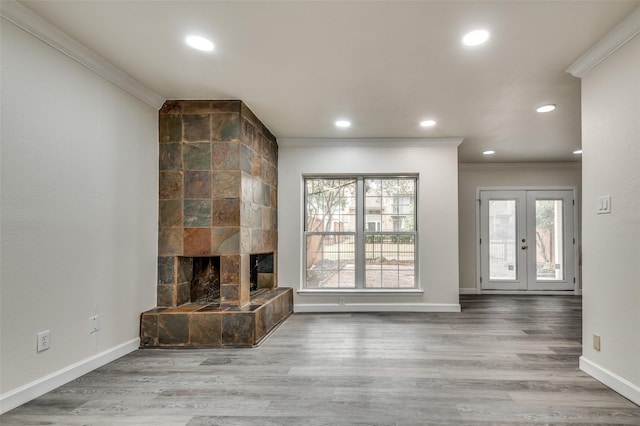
(520, 166)
(615, 39)
(34, 24)
(370, 142)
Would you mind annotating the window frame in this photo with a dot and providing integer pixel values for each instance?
(361, 232)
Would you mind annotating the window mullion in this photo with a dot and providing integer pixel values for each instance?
(360, 222)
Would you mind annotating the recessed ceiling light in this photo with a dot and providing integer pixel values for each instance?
(546, 108)
(488, 152)
(200, 43)
(343, 123)
(577, 151)
(476, 37)
(428, 123)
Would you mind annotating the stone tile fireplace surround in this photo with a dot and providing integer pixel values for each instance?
(218, 211)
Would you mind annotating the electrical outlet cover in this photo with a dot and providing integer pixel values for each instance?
(94, 323)
(44, 340)
(596, 342)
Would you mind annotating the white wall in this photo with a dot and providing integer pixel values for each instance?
(437, 218)
(473, 176)
(611, 266)
(78, 213)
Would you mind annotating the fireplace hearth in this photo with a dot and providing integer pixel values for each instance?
(217, 237)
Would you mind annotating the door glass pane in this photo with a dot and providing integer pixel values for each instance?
(502, 240)
(549, 240)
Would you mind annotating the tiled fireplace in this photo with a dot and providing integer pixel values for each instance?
(217, 283)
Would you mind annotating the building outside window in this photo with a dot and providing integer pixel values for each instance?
(360, 232)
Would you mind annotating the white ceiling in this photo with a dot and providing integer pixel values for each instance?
(385, 65)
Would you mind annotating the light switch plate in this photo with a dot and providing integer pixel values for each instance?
(604, 204)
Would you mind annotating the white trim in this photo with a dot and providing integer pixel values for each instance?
(477, 244)
(612, 380)
(468, 290)
(376, 307)
(34, 24)
(359, 292)
(615, 39)
(532, 292)
(25, 393)
(577, 243)
(525, 188)
(519, 166)
(370, 142)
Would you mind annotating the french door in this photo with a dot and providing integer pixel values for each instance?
(527, 240)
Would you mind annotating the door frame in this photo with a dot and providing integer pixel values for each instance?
(576, 237)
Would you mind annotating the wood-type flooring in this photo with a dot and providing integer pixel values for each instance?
(504, 360)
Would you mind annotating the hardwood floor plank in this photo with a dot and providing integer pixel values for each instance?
(589, 399)
(549, 414)
(504, 360)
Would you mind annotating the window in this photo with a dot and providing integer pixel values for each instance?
(360, 232)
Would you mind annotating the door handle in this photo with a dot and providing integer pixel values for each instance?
(524, 247)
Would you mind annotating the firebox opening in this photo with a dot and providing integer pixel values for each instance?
(205, 281)
(261, 271)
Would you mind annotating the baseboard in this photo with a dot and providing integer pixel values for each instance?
(26, 393)
(375, 307)
(612, 380)
(468, 290)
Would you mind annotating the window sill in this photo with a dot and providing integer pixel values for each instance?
(361, 291)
